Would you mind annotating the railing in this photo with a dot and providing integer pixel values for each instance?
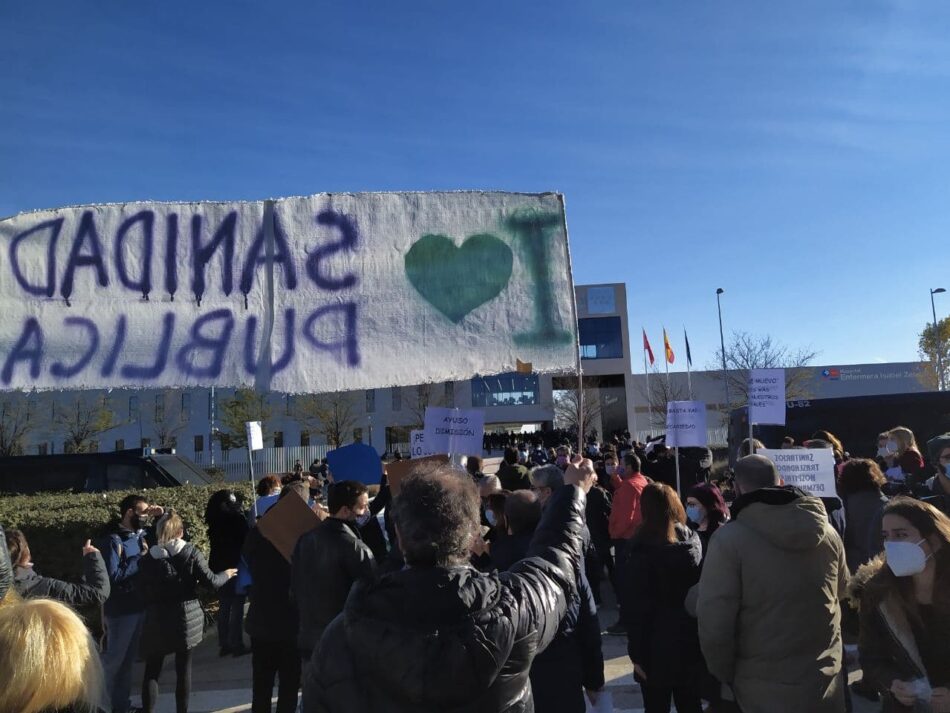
(267, 460)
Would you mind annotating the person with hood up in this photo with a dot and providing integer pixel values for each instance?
(662, 562)
(29, 584)
(768, 601)
(905, 610)
(438, 635)
(169, 576)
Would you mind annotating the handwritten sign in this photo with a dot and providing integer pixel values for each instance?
(454, 431)
(811, 469)
(685, 423)
(255, 437)
(767, 396)
(323, 293)
(417, 445)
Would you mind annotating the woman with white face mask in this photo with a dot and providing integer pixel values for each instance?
(905, 610)
(904, 461)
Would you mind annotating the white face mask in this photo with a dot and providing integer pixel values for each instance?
(905, 558)
(891, 447)
(490, 516)
(611, 469)
(881, 452)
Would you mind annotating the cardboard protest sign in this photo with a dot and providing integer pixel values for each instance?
(255, 437)
(767, 396)
(288, 519)
(685, 423)
(454, 430)
(356, 461)
(313, 294)
(397, 470)
(811, 469)
(490, 466)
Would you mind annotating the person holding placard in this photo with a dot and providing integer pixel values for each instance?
(904, 461)
(768, 600)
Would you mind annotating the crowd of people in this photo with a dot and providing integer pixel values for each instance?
(467, 591)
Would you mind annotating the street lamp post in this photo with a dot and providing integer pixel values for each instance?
(722, 348)
(937, 344)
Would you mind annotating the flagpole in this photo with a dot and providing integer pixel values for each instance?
(649, 394)
(689, 378)
(666, 357)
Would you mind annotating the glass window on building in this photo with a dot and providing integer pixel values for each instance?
(93, 446)
(185, 406)
(146, 443)
(397, 398)
(278, 439)
(505, 390)
(119, 444)
(450, 393)
(199, 444)
(357, 435)
(133, 407)
(600, 337)
(370, 400)
(42, 449)
(304, 439)
(159, 407)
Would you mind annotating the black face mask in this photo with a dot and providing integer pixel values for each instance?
(139, 521)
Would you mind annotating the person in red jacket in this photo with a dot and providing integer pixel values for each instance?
(625, 511)
(625, 518)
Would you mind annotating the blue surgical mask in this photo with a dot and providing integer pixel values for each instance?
(490, 516)
(361, 520)
(946, 470)
(694, 513)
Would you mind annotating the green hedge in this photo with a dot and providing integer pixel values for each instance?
(57, 524)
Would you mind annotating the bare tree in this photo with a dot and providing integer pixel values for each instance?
(82, 417)
(661, 392)
(426, 396)
(246, 405)
(568, 402)
(168, 419)
(934, 349)
(20, 414)
(747, 351)
(333, 416)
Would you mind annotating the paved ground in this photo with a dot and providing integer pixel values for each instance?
(222, 685)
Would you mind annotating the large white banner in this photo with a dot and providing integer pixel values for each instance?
(322, 293)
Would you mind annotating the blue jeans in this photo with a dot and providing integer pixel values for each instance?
(122, 645)
(230, 617)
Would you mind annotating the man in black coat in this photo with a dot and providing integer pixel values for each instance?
(327, 561)
(512, 475)
(439, 635)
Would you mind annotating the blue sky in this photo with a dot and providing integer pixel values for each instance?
(795, 154)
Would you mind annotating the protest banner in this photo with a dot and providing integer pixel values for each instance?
(356, 461)
(767, 396)
(399, 469)
(288, 519)
(314, 294)
(454, 431)
(685, 423)
(811, 469)
(417, 445)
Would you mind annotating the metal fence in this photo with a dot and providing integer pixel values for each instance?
(267, 460)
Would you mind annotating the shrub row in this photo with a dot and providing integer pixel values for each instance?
(57, 524)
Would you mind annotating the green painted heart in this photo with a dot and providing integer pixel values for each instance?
(457, 279)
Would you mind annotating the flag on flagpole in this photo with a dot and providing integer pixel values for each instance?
(647, 348)
(689, 355)
(670, 357)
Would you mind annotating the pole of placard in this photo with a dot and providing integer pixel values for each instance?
(676, 454)
(454, 458)
(580, 408)
(751, 437)
(250, 462)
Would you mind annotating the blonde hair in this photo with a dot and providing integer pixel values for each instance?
(169, 527)
(48, 660)
(905, 439)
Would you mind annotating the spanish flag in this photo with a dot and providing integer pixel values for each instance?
(647, 348)
(670, 357)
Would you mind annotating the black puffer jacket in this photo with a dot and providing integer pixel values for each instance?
(95, 590)
(174, 619)
(226, 533)
(327, 561)
(450, 639)
(661, 637)
(6, 570)
(272, 615)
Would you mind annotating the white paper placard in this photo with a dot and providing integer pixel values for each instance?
(255, 437)
(811, 469)
(685, 423)
(454, 431)
(311, 294)
(417, 445)
(767, 396)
